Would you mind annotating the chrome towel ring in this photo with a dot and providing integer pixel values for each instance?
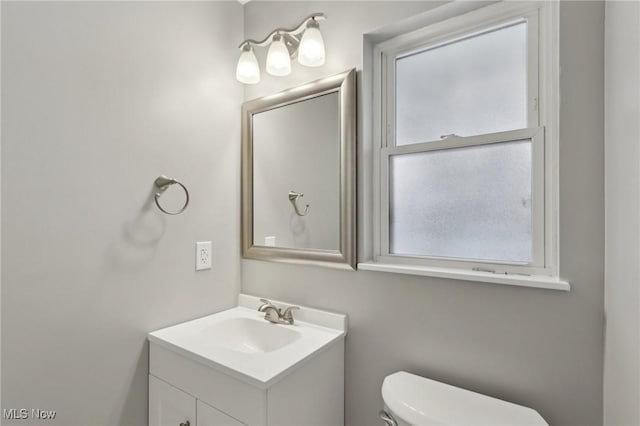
(162, 183)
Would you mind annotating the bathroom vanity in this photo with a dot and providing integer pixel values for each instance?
(235, 368)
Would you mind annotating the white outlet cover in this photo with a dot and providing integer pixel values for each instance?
(203, 255)
(270, 241)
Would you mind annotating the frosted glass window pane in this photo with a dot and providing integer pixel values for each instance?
(473, 86)
(465, 203)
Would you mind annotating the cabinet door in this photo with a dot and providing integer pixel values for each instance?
(169, 406)
(209, 416)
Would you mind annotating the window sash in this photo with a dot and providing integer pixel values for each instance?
(393, 52)
(536, 136)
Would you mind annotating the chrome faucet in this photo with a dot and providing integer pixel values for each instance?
(274, 314)
(271, 312)
(287, 316)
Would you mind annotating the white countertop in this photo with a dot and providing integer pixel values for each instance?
(262, 369)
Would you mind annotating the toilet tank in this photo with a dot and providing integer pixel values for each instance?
(414, 400)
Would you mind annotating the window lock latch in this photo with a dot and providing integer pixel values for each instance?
(451, 135)
(491, 271)
(483, 270)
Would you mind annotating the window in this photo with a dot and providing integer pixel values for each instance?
(464, 171)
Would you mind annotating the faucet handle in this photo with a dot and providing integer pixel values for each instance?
(287, 315)
(267, 304)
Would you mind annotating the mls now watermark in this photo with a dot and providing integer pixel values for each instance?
(25, 413)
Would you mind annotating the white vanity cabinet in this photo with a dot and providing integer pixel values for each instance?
(169, 405)
(233, 368)
(209, 416)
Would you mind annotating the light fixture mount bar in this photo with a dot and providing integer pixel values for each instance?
(293, 32)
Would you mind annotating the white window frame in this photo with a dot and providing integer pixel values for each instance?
(542, 130)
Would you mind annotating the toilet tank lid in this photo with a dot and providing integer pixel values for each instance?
(420, 401)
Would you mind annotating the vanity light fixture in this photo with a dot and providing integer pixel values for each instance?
(278, 59)
(304, 41)
(248, 70)
(311, 51)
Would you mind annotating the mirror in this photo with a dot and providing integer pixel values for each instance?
(299, 174)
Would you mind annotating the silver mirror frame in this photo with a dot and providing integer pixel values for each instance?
(346, 257)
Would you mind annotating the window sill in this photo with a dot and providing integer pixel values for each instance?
(534, 281)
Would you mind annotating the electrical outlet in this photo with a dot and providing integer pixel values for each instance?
(203, 255)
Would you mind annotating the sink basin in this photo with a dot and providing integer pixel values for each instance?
(242, 344)
(250, 335)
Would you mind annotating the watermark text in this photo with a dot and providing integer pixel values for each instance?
(28, 413)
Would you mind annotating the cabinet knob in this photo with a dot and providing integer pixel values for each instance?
(187, 423)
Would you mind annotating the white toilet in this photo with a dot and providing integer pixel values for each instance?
(411, 400)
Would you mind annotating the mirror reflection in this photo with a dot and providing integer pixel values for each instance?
(296, 175)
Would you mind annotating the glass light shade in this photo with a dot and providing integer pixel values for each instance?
(248, 70)
(311, 50)
(278, 60)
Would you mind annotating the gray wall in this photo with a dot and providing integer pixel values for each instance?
(539, 348)
(98, 99)
(622, 278)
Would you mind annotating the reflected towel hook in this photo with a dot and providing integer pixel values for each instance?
(293, 198)
(163, 183)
